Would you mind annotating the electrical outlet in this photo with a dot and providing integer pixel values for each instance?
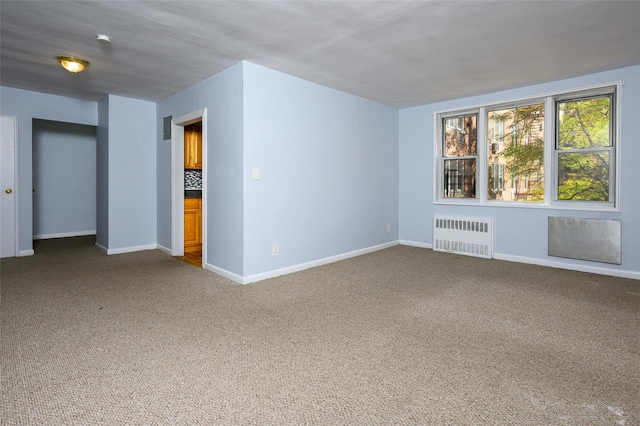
(275, 250)
(388, 228)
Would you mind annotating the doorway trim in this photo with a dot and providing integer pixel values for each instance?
(13, 151)
(177, 181)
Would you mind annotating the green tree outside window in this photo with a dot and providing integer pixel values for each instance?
(584, 149)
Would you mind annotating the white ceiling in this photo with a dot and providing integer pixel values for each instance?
(399, 53)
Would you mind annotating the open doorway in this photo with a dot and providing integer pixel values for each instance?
(64, 179)
(189, 187)
(193, 193)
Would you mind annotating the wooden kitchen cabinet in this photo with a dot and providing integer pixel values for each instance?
(192, 224)
(193, 146)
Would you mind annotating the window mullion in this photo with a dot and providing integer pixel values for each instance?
(482, 183)
(550, 157)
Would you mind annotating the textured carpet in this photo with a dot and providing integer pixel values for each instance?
(398, 337)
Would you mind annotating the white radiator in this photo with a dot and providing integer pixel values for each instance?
(469, 236)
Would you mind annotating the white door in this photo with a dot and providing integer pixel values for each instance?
(8, 196)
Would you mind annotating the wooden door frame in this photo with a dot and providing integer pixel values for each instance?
(177, 181)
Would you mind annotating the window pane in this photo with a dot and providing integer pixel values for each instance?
(460, 178)
(460, 136)
(584, 123)
(583, 176)
(515, 138)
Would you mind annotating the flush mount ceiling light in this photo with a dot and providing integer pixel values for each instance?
(72, 64)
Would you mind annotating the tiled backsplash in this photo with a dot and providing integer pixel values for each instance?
(193, 179)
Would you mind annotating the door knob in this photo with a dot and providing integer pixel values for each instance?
(8, 191)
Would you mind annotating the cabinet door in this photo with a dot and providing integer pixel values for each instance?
(193, 146)
(189, 148)
(190, 228)
(192, 222)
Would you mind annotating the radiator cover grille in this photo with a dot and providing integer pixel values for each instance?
(468, 236)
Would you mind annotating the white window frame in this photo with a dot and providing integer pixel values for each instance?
(550, 156)
(439, 178)
(613, 156)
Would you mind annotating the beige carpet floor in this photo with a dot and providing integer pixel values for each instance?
(403, 336)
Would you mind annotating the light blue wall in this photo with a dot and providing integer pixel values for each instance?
(27, 105)
(521, 233)
(335, 170)
(102, 174)
(64, 178)
(328, 162)
(221, 95)
(328, 166)
(131, 173)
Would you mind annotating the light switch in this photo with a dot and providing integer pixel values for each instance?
(256, 174)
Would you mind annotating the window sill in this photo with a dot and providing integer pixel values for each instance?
(530, 205)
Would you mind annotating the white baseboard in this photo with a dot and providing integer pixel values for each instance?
(122, 250)
(125, 249)
(64, 235)
(621, 273)
(295, 268)
(415, 244)
(224, 273)
(164, 249)
(302, 266)
(22, 253)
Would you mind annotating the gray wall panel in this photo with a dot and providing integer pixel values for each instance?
(597, 240)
